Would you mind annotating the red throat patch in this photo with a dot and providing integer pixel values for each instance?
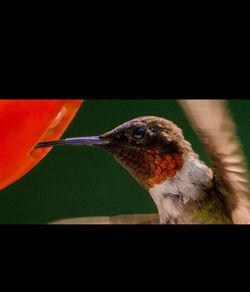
(162, 166)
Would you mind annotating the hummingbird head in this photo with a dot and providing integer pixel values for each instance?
(151, 148)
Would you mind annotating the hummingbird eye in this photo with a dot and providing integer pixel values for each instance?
(139, 133)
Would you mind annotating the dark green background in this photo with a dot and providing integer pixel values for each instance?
(81, 181)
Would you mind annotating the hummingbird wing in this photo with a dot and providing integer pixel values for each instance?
(120, 219)
(212, 121)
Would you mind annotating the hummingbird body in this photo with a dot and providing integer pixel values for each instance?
(164, 163)
(185, 190)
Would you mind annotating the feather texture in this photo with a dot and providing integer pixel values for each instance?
(213, 123)
(120, 219)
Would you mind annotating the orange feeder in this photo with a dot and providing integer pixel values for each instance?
(24, 123)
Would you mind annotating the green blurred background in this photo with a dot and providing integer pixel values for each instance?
(80, 181)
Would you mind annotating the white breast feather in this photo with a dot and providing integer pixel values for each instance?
(188, 182)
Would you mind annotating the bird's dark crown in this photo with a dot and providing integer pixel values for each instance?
(147, 132)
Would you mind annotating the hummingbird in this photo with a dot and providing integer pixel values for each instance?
(184, 189)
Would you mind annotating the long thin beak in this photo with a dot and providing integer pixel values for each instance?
(80, 141)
